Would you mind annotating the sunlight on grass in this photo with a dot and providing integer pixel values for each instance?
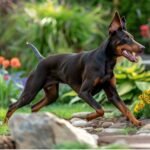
(61, 110)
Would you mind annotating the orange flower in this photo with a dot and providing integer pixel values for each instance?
(1, 59)
(15, 63)
(6, 63)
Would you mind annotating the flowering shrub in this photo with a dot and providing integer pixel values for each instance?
(11, 82)
(142, 108)
(14, 62)
(145, 33)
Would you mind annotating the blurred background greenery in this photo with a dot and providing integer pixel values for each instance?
(62, 26)
(56, 26)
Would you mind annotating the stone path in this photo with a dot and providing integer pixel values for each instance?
(106, 131)
(114, 130)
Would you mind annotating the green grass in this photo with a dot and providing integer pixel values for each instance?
(130, 130)
(61, 110)
(71, 145)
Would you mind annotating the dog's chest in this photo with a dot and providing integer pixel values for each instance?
(108, 71)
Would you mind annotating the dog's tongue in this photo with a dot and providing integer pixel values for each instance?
(129, 55)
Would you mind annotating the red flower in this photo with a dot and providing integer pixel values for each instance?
(1, 59)
(6, 63)
(144, 31)
(144, 27)
(15, 63)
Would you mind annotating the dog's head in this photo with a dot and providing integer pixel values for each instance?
(122, 42)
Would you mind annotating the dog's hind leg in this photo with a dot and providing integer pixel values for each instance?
(51, 95)
(34, 84)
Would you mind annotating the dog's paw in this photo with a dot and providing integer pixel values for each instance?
(138, 123)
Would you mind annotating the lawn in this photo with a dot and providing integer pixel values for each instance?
(62, 110)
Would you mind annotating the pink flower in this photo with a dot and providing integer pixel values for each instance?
(144, 27)
(144, 31)
(6, 77)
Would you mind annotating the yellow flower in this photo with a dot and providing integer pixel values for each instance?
(144, 100)
(141, 97)
(141, 105)
(145, 96)
(147, 92)
(147, 100)
(136, 108)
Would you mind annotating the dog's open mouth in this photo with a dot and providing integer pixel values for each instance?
(132, 56)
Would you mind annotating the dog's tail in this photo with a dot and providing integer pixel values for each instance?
(36, 51)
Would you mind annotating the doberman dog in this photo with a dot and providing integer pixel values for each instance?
(87, 73)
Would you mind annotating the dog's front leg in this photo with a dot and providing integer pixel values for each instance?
(113, 97)
(85, 94)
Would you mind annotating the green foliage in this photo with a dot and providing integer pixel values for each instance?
(8, 91)
(130, 130)
(114, 146)
(136, 14)
(145, 113)
(131, 79)
(52, 28)
(71, 145)
(4, 130)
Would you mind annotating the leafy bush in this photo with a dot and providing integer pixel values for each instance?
(136, 14)
(52, 28)
(131, 79)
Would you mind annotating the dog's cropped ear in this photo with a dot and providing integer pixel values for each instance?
(123, 23)
(116, 23)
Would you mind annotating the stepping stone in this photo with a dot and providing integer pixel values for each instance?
(80, 123)
(94, 123)
(98, 129)
(119, 125)
(81, 115)
(107, 124)
(145, 130)
(111, 131)
(89, 129)
(133, 141)
(75, 119)
(146, 121)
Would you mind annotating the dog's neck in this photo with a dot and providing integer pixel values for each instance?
(106, 51)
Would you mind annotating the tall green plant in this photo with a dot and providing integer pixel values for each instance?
(52, 28)
(8, 92)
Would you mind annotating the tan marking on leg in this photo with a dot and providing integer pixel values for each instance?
(129, 115)
(50, 93)
(113, 81)
(96, 81)
(39, 105)
(94, 115)
(8, 115)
